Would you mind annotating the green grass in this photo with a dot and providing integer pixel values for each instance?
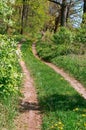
(8, 111)
(74, 64)
(62, 107)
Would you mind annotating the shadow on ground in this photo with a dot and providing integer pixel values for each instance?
(26, 106)
(62, 102)
(55, 102)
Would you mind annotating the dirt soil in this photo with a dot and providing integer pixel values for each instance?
(29, 117)
(73, 82)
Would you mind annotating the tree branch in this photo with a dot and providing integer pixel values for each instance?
(55, 2)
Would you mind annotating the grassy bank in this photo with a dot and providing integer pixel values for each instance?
(62, 107)
(60, 55)
(74, 64)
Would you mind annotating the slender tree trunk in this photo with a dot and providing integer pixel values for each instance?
(22, 18)
(24, 15)
(7, 26)
(63, 13)
(84, 6)
(68, 11)
(57, 19)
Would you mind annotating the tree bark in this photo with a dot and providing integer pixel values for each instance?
(84, 6)
(24, 16)
(63, 13)
(57, 19)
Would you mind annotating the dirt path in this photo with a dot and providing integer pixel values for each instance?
(74, 83)
(29, 117)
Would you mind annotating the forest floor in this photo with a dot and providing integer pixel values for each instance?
(29, 117)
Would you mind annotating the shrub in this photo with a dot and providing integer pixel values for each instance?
(63, 36)
(9, 73)
(46, 50)
(63, 49)
(64, 42)
(81, 35)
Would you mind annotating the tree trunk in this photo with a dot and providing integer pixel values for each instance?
(63, 13)
(24, 16)
(57, 19)
(84, 6)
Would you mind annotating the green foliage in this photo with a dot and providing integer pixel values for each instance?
(45, 50)
(64, 53)
(9, 66)
(39, 12)
(81, 35)
(55, 44)
(62, 107)
(6, 11)
(35, 15)
(10, 78)
(63, 36)
(84, 20)
(81, 32)
(64, 42)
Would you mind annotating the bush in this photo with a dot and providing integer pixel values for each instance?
(46, 50)
(81, 35)
(63, 36)
(9, 73)
(64, 42)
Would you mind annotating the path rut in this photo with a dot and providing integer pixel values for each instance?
(74, 83)
(29, 117)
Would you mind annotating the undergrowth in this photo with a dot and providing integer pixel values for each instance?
(66, 49)
(10, 80)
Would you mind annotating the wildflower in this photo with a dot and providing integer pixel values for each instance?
(60, 127)
(60, 122)
(76, 109)
(62, 78)
(83, 115)
(56, 124)
(85, 124)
